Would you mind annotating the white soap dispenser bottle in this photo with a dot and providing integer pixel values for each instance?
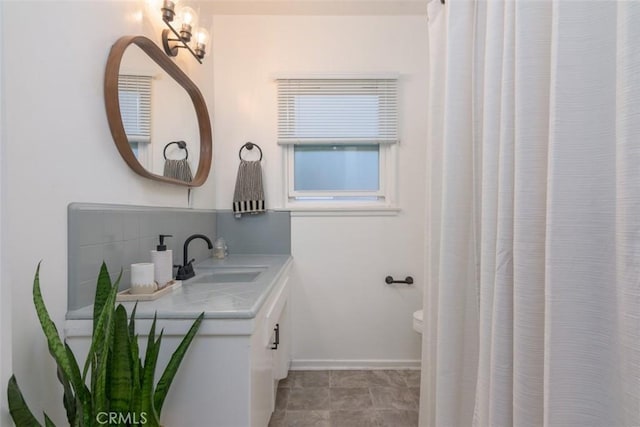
(162, 263)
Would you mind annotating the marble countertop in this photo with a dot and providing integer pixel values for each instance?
(235, 300)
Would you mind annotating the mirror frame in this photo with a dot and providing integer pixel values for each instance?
(114, 118)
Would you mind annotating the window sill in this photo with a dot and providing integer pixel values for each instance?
(353, 210)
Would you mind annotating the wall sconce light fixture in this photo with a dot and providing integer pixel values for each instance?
(186, 20)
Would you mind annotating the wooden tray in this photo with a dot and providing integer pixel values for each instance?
(126, 295)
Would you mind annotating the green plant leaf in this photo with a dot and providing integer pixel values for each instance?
(174, 363)
(134, 349)
(83, 416)
(132, 322)
(56, 347)
(136, 403)
(148, 371)
(83, 396)
(120, 370)
(47, 421)
(20, 412)
(101, 372)
(103, 289)
(135, 362)
(101, 332)
(68, 398)
(98, 337)
(99, 351)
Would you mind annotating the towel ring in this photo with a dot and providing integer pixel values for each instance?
(249, 146)
(181, 144)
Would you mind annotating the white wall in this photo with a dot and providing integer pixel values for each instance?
(57, 149)
(343, 313)
(5, 287)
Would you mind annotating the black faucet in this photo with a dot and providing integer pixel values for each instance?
(185, 271)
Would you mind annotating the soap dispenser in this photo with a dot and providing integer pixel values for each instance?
(162, 263)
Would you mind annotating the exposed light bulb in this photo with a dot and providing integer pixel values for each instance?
(201, 40)
(187, 18)
(202, 36)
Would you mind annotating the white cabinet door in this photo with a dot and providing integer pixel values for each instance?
(281, 354)
(278, 325)
(261, 379)
(279, 330)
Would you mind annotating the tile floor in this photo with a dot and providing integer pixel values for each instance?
(348, 399)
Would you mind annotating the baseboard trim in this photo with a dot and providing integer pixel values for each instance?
(337, 365)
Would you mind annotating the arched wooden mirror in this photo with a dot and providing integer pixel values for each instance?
(156, 113)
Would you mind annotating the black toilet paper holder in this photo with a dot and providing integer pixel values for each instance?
(407, 280)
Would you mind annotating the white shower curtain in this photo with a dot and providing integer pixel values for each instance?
(532, 301)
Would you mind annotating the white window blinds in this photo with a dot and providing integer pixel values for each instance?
(337, 111)
(134, 92)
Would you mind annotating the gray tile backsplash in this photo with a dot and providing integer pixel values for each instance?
(268, 233)
(122, 235)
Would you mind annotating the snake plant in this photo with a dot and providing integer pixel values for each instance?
(121, 390)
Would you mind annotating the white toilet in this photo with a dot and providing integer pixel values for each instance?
(417, 321)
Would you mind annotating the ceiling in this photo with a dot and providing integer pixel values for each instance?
(313, 7)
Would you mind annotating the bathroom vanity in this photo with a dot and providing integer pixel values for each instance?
(230, 373)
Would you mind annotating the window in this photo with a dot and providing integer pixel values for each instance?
(339, 138)
(134, 94)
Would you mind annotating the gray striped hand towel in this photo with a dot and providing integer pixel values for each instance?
(178, 169)
(248, 196)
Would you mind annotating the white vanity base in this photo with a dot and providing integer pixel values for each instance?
(229, 375)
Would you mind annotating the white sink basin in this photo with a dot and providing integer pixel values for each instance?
(227, 274)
